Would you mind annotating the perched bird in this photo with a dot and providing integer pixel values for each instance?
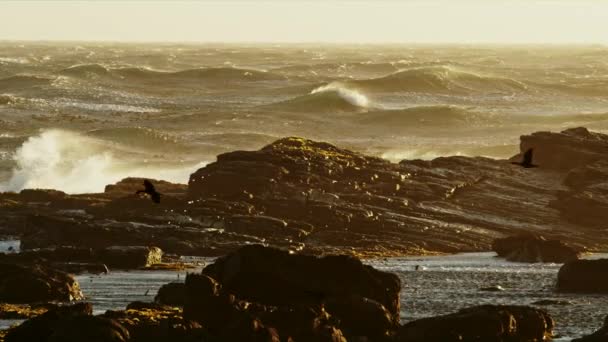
(527, 162)
(150, 190)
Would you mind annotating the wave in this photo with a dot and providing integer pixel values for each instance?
(75, 163)
(441, 79)
(23, 81)
(441, 115)
(134, 74)
(332, 97)
(6, 99)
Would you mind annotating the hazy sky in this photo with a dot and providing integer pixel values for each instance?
(362, 21)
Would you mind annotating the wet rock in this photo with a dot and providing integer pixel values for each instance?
(534, 248)
(363, 300)
(481, 323)
(22, 311)
(493, 288)
(585, 276)
(36, 283)
(130, 257)
(173, 294)
(42, 327)
(600, 335)
(130, 185)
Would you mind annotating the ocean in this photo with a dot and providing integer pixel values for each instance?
(78, 116)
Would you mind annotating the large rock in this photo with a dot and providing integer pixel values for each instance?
(130, 257)
(587, 276)
(534, 248)
(488, 323)
(36, 283)
(173, 294)
(364, 300)
(130, 185)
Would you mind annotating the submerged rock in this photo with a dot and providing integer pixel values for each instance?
(585, 276)
(36, 283)
(481, 323)
(534, 248)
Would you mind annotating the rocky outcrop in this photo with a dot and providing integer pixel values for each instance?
(131, 185)
(534, 248)
(586, 276)
(22, 311)
(172, 294)
(79, 260)
(36, 283)
(601, 335)
(481, 323)
(312, 197)
(302, 297)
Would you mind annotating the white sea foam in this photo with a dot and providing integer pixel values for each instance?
(73, 163)
(352, 96)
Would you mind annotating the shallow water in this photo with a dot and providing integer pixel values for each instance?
(446, 284)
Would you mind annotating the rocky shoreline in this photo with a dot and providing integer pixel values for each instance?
(289, 223)
(315, 198)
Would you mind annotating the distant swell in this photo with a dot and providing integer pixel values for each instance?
(23, 81)
(439, 79)
(328, 98)
(75, 163)
(135, 74)
(424, 116)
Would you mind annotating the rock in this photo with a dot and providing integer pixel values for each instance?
(365, 301)
(36, 283)
(481, 323)
(585, 276)
(494, 288)
(89, 328)
(42, 327)
(600, 335)
(22, 311)
(130, 257)
(533, 248)
(173, 294)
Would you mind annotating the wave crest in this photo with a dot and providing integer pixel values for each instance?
(332, 97)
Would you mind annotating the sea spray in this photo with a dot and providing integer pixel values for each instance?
(74, 163)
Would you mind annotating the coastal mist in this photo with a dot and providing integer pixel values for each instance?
(319, 192)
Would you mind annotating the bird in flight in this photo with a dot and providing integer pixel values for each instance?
(150, 190)
(527, 162)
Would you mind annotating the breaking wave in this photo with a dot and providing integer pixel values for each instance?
(332, 97)
(76, 163)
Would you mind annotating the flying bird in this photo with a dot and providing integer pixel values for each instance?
(527, 162)
(150, 190)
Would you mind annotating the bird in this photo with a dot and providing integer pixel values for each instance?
(150, 190)
(527, 162)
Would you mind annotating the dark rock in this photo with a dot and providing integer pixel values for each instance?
(22, 311)
(494, 288)
(42, 327)
(481, 323)
(533, 248)
(585, 276)
(173, 294)
(89, 328)
(130, 257)
(130, 185)
(36, 283)
(363, 300)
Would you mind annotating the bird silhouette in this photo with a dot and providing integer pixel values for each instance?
(150, 190)
(527, 162)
